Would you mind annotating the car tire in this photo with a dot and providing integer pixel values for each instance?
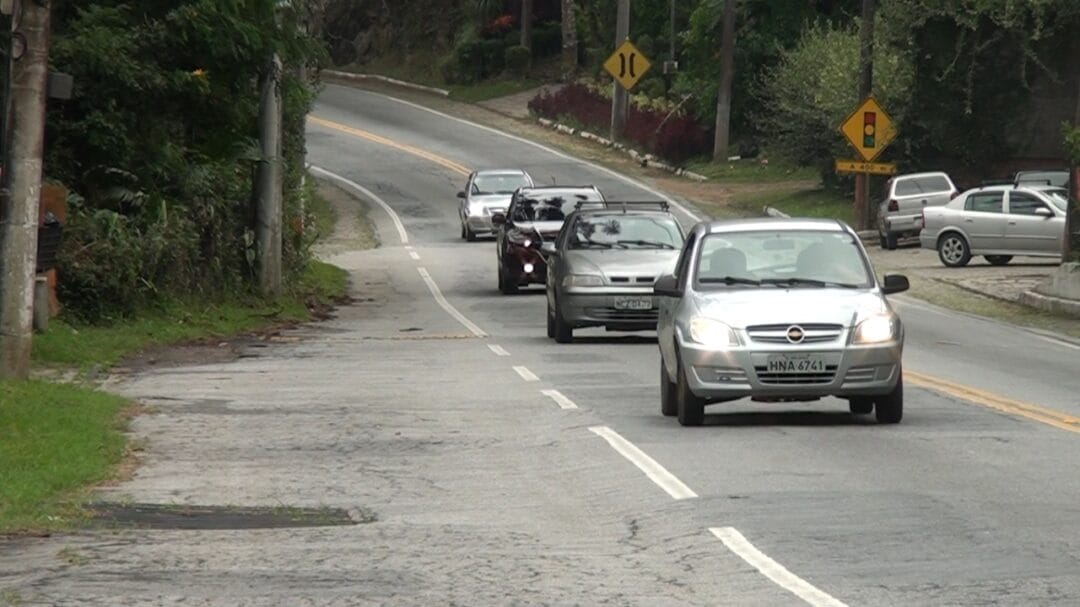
(564, 333)
(463, 230)
(690, 407)
(861, 406)
(889, 408)
(507, 285)
(888, 242)
(669, 404)
(953, 250)
(998, 260)
(470, 236)
(550, 321)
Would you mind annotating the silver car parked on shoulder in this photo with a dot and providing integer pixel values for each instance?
(602, 266)
(899, 215)
(778, 310)
(486, 193)
(997, 222)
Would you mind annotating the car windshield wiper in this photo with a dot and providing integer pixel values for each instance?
(728, 280)
(648, 243)
(592, 243)
(809, 282)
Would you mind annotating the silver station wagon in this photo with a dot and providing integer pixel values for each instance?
(602, 266)
(778, 310)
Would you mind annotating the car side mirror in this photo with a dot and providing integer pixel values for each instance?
(461, 194)
(548, 248)
(667, 286)
(498, 219)
(1044, 212)
(895, 283)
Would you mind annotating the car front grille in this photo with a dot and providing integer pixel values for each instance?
(641, 280)
(623, 315)
(813, 333)
(790, 379)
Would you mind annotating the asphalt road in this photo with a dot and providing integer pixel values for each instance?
(505, 469)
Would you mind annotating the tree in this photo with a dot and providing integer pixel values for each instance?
(569, 39)
(727, 76)
(526, 23)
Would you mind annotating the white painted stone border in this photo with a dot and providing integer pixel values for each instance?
(361, 77)
(648, 160)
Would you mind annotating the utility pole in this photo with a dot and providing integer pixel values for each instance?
(526, 24)
(269, 186)
(569, 40)
(620, 99)
(1074, 187)
(722, 140)
(20, 194)
(864, 211)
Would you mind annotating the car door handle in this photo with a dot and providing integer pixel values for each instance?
(969, 220)
(1012, 223)
(924, 202)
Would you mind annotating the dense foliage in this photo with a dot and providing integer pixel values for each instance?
(159, 145)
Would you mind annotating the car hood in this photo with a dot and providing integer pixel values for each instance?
(741, 308)
(623, 262)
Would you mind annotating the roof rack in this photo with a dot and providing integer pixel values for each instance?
(623, 204)
(990, 182)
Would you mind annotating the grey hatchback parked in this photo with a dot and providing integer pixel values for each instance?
(899, 215)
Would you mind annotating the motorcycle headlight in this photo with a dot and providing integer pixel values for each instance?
(712, 333)
(583, 280)
(876, 330)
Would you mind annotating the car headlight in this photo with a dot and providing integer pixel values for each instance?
(876, 330)
(583, 280)
(712, 333)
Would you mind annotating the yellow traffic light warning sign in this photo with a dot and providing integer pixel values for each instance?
(869, 129)
(627, 65)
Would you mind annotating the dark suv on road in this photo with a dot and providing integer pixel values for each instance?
(535, 215)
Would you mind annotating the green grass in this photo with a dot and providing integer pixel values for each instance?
(74, 344)
(325, 217)
(752, 170)
(57, 440)
(492, 89)
(816, 202)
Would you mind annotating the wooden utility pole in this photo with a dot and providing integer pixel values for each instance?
(620, 99)
(526, 24)
(722, 139)
(569, 39)
(1074, 186)
(269, 186)
(864, 210)
(20, 194)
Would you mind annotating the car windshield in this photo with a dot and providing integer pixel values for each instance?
(498, 183)
(625, 232)
(1058, 196)
(550, 205)
(1058, 179)
(789, 258)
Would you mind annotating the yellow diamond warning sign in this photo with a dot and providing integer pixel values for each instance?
(627, 65)
(869, 129)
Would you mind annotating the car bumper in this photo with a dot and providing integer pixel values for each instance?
(480, 224)
(850, 371)
(901, 224)
(611, 308)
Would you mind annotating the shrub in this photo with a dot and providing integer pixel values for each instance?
(547, 39)
(652, 88)
(448, 69)
(517, 59)
(675, 138)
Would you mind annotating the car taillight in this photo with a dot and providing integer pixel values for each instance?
(894, 206)
(955, 193)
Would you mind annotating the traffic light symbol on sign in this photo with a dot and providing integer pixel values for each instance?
(869, 129)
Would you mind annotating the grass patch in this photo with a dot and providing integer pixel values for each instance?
(73, 344)
(58, 439)
(322, 212)
(492, 89)
(752, 170)
(817, 202)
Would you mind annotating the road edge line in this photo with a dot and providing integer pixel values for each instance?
(446, 305)
(652, 469)
(560, 399)
(402, 234)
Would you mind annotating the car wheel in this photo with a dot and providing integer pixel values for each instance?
(469, 234)
(889, 408)
(564, 333)
(507, 284)
(861, 406)
(953, 250)
(888, 241)
(463, 230)
(690, 407)
(550, 321)
(999, 260)
(669, 404)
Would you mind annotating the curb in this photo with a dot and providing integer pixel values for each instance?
(645, 160)
(361, 77)
(1048, 303)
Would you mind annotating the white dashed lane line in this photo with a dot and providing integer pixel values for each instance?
(526, 374)
(560, 399)
(414, 255)
(652, 469)
(776, 572)
(498, 350)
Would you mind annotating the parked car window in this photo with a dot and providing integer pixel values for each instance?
(1024, 204)
(626, 232)
(933, 184)
(1057, 179)
(1059, 197)
(497, 184)
(984, 202)
(907, 187)
(803, 256)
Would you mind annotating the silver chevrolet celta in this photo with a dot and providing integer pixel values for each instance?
(778, 310)
(602, 266)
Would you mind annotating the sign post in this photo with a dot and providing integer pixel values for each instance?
(626, 65)
(869, 130)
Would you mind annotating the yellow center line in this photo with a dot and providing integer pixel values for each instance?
(1050, 417)
(408, 149)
